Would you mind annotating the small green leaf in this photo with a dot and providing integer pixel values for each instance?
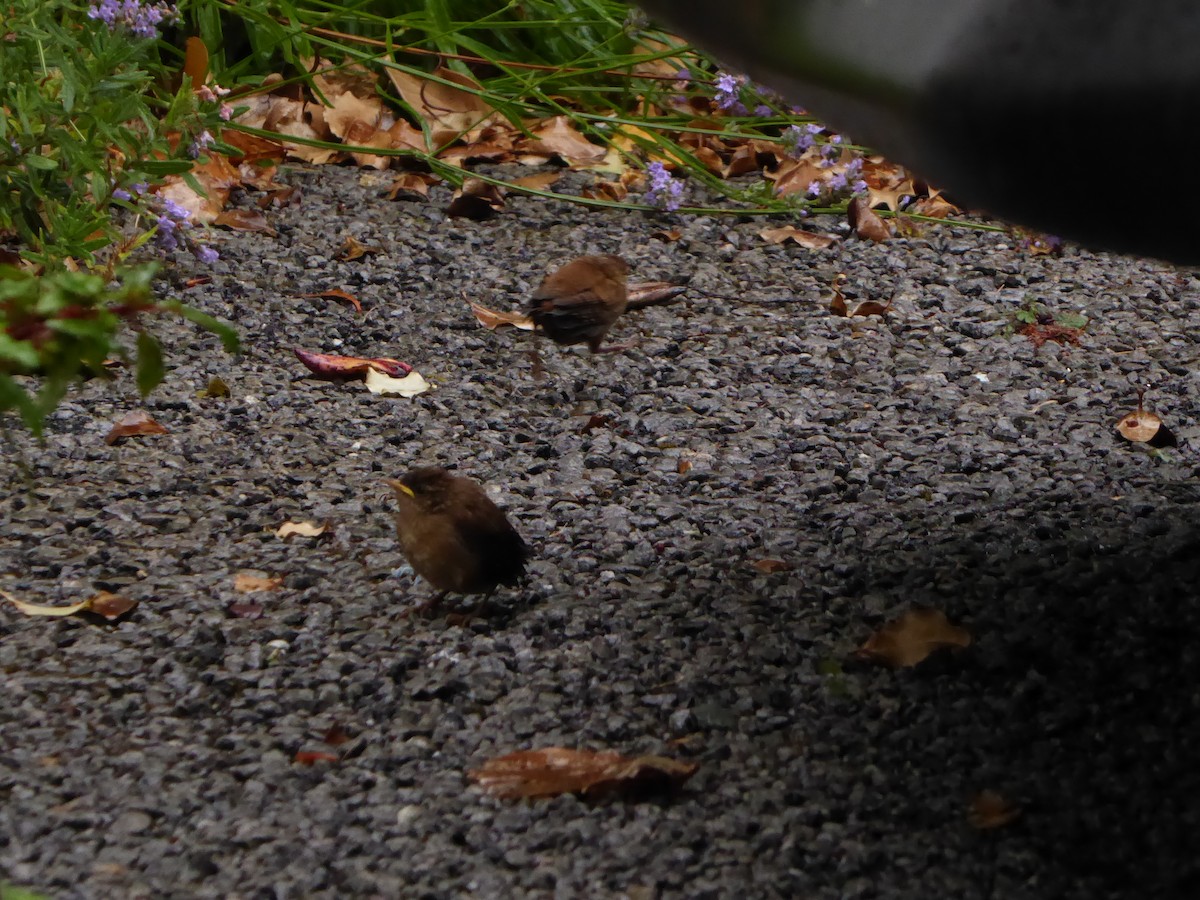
(149, 363)
(1028, 316)
(229, 337)
(1071, 320)
(23, 353)
(34, 161)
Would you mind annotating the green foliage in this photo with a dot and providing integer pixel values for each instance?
(84, 119)
(12, 892)
(1034, 312)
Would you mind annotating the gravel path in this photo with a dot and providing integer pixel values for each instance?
(928, 458)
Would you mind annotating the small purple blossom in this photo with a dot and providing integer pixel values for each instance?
(762, 110)
(140, 188)
(683, 75)
(141, 20)
(225, 112)
(206, 254)
(813, 189)
(175, 211)
(860, 187)
(203, 141)
(796, 140)
(813, 128)
(167, 237)
(122, 194)
(663, 191)
(729, 88)
(837, 182)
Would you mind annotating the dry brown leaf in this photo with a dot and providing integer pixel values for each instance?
(352, 248)
(837, 303)
(1145, 427)
(245, 220)
(450, 110)
(792, 233)
(908, 640)
(653, 293)
(476, 199)
(304, 529)
(412, 186)
(195, 61)
(795, 175)
(215, 389)
(667, 237)
(616, 191)
(770, 566)
(103, 603)
(249, 582)
(558, 136)
(935, 208)
(133, 424)
(684, 466)
(334, 294)
(540, 182)
(309, 757)
(990, 809)
(217, 177)
(493, 319)
(342, 368)
(552, 771)
(866, 224)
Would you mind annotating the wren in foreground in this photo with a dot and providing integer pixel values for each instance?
(578, 303)
(454, 536)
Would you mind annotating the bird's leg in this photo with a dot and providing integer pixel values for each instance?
(426, 609)
(594, 347)
(539, 372)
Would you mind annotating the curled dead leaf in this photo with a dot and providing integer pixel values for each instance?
(769, 566)
(1145, 427)
(865, 222)
(341, 368)
(412, 186)
(493, 319)
(791, 233)
(653, 293)
(552, 771)
(134, 424)
(908, 640)
(990, 809)
(215, 389)
(251, 220)
(304, 529)
(353, 248)
(110, 606)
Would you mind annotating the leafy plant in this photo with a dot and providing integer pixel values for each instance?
(86, 126)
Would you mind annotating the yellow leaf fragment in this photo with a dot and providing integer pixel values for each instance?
(493, 319)
(408, 386)
(251, 582)
(908, 640)
(304, 529)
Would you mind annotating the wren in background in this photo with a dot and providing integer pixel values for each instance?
(579, 302)
(454, 536)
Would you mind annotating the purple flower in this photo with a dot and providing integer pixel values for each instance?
(861, 187)
(142, 20)
(762, 110)
(140, 188)
(175, 211)
(813, 128)
(167, 238)
(838, 182)
(206, 254)
(663, 191)
(814, 189)
(203, 141)
(796, 140)
(729, 88)
(226, 112)
(122, 194)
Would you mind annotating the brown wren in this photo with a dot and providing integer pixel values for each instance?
(579, 302)
(454, 536)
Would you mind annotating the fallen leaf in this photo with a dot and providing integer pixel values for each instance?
(216, 388)
(865, 222)
(352, 248)
(246, 609)
(408, 386)
(908, 640)
(412, 185)
(1040, 333)
(134, 424)
(558, 136)
(769, 566)
(989, 809)
(539, 182)
(195, 61)
(1144, 427)
(335, 735)
(334, 294)
(245, 220)
(309, 757)
(304, 529)
(653, 293)
(552, 771)
(667, 237)
(110, 606)
(250, 582)
(791, 233)
(684, 466)
(493, 319)
(342, 368)
(451, 105)
(197, 281)
(837, 303)
(103, 603)
(476, 199)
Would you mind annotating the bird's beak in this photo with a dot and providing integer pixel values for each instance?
(400, 487)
